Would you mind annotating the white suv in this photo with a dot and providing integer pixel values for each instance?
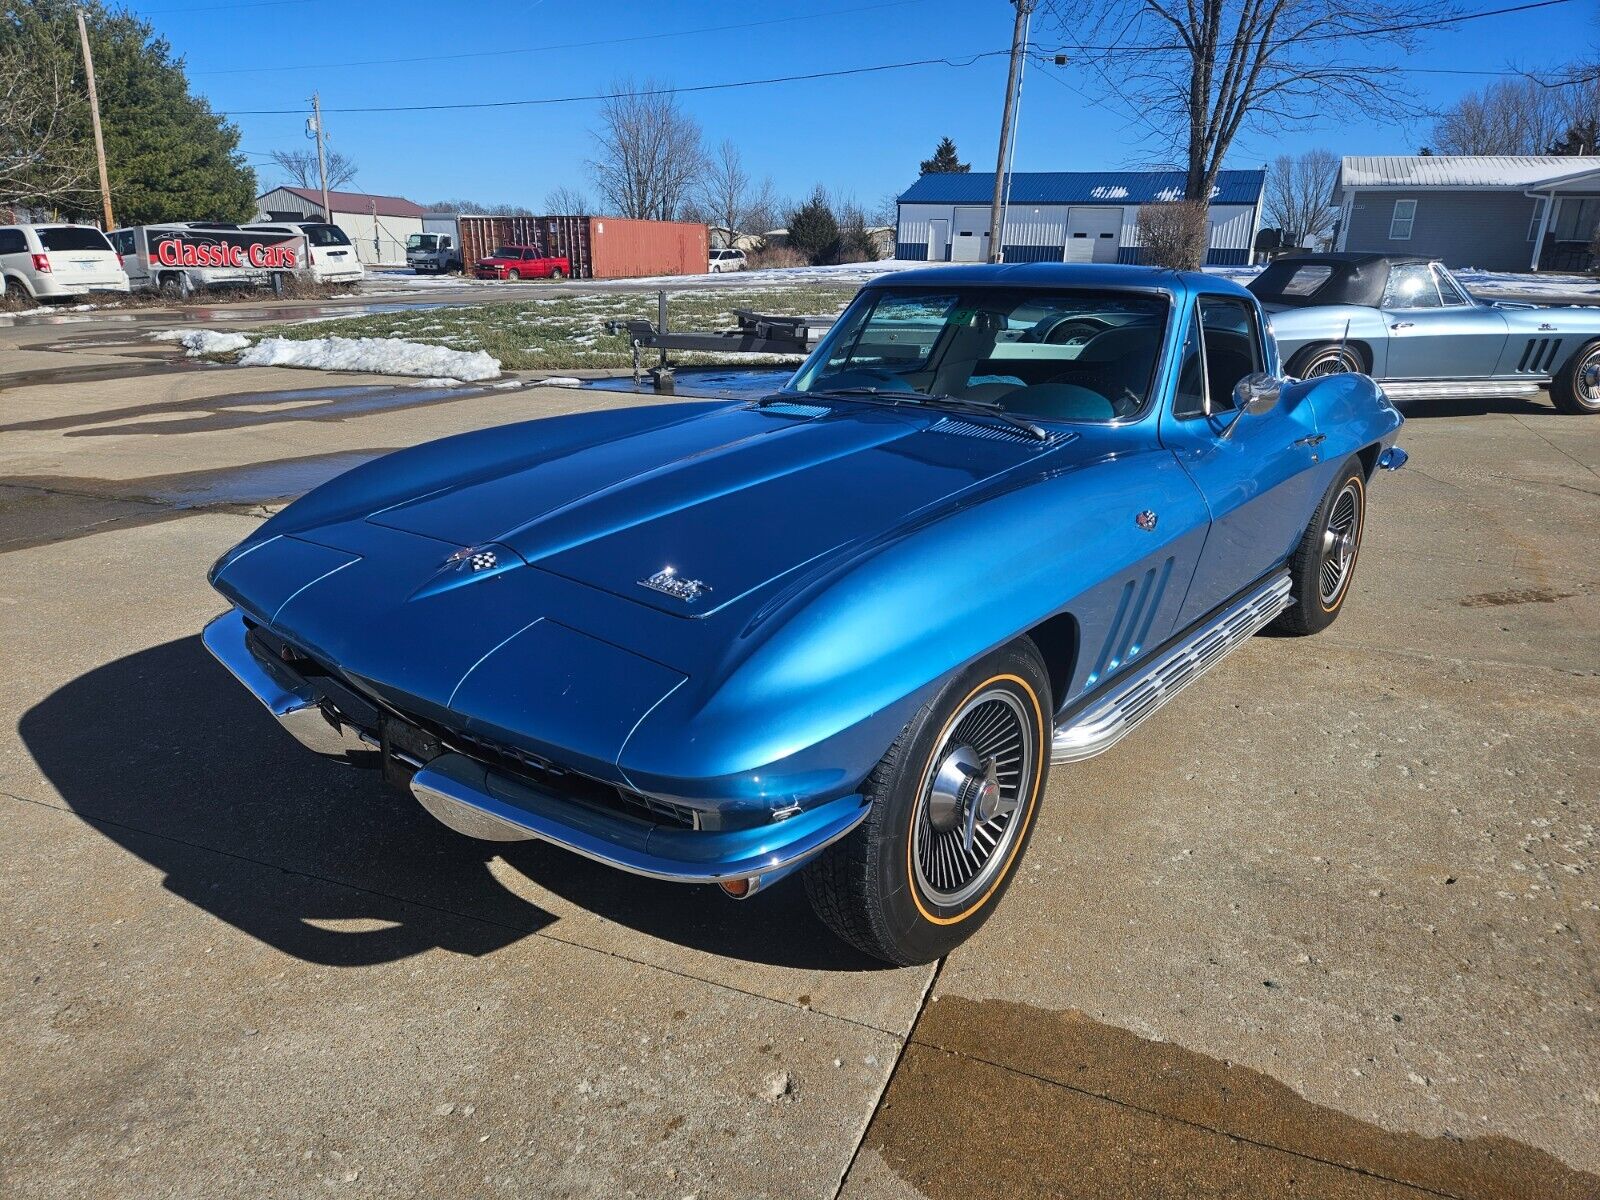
(333, 258)
(50, 261)
(727, 260)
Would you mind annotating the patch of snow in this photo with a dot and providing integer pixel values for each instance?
(196, 342)
(378, 356)
(558, 381)
(1109, 193)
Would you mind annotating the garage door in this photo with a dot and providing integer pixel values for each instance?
(969, 236)
(1093, 234)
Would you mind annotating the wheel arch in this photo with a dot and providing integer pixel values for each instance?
(1362, 348)
(1058, 639)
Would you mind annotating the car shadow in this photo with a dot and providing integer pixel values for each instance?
(1475, 406)
(165, 754)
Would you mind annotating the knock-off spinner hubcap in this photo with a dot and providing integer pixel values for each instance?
(965, 824)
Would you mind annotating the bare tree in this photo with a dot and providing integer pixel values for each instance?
(1174, 234)
(1299, 195)
(1195, 74)
(723, 193)
(300, 166)
(649, 152)
(1510, 116)
(39, 160)
(567, 202)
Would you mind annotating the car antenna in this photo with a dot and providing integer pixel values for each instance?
(1343, 338)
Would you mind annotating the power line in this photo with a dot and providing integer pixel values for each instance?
(616, 41)
(661, 91)
(150, 12)
(1406, 27)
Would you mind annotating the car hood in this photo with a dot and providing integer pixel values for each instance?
(721, 505)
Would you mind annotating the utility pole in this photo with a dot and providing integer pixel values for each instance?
(94, 116)
(322, 160)
(1019, 48)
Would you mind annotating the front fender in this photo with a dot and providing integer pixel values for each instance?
(1353, 413)
(812, 695)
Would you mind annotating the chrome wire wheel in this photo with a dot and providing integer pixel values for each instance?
(965, 825)
(1329, 362)
(1340, 542)
(1586, 379)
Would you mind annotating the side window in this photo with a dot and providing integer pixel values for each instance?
(123, 241)
(12, 242)
(1190, 399)
(1232, 345)
(1450, 295)
(1411, 285)
(1405, 215)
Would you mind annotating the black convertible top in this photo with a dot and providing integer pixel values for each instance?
(1335, 278)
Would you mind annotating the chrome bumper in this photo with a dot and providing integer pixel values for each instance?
(480, 802)
(289, 697)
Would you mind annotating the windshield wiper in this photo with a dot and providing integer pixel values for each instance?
(937, 400)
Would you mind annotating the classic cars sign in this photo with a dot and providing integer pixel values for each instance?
(224, 249)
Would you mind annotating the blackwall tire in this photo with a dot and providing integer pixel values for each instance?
(1576, 387)
(931, 861)
(1315, 361)
(1323, 566)
(557, 273)
(513, 276)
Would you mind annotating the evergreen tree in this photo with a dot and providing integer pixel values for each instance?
(814, 230)
(944, 160)
(169, 157)
(1581, 137)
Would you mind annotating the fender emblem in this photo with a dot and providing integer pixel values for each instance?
(1146, 520)
(668, 582)
(478, 558)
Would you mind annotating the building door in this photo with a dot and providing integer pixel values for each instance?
(969, 241)
(938, 240)
(1093, 235)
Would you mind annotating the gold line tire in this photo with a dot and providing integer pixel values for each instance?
(954, 803)
(1323, 566)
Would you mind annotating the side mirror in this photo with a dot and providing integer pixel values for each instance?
(1252, 396)
(1257, 393)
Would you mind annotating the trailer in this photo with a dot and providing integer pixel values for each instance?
(755, 333)
(597, 247)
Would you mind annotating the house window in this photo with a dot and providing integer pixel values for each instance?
(1537, 218)
(1576, 220)
(1405, 214)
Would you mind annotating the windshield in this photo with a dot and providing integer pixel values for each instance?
(1049, 354)
(507, 252)
(73, 237)
(422, 241)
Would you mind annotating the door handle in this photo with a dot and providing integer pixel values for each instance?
(1311, 439)
(1402, 325)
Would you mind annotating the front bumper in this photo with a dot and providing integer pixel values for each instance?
(479, 800)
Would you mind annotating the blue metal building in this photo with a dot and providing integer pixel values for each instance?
(1067, 216)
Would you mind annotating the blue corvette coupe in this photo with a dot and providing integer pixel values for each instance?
(999, 517)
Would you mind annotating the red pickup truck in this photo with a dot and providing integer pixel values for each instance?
(521, 262)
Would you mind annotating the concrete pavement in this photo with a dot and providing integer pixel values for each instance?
(1324, 927)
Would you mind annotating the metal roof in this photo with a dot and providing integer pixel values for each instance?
(1080, 187)
(355, 202)
(1461, 171)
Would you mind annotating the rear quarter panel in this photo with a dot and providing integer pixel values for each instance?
(1296, 328)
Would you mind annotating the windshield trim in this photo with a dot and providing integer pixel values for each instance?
(1153, 400)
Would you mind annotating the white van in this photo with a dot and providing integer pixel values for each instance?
(179, 260)
(333, 258)
(47, 262)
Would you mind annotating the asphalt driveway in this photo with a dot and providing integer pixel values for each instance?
(1325, 927)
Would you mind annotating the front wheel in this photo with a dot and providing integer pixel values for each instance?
(1576, 387)
(1325, 561)
(513, 276)
(953, 803)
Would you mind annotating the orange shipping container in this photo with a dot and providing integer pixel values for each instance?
(620, 248)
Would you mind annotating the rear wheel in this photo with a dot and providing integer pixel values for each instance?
(557, 273)
(953, 803)
(1325, 561)
(1316, 361)
(1576, 387)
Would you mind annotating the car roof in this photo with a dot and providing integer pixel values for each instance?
(1079, 275)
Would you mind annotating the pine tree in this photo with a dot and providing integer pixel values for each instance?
(814, 230)
(944, 160)
(168, 155)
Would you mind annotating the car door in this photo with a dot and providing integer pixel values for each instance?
(1255, 472)
(1436, 331)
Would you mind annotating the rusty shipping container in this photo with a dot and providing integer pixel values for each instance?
(598, 247)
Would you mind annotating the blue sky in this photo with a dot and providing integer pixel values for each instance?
(862, 135)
